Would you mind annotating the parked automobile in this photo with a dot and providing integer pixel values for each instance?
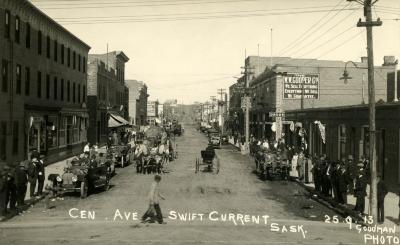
(119, 154)
(82, 175)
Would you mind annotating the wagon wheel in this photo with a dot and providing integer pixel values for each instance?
(197, 165)
(84, 189)
(107, 185)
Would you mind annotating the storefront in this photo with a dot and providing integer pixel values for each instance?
(343, 131)
(55, 132)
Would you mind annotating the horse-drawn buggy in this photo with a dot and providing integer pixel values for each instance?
(209, 160)
(81, 175)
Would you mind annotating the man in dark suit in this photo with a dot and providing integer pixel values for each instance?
(360, 189)
(3, 190)
(33, 176)
(382, 192)
(21, 181)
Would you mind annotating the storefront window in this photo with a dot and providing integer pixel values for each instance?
(342, 141)
(69, 130)
(62, 131)
(52, 127)
(75, 129)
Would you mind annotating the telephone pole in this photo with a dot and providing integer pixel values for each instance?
(247, 72)
(369, 23)
(221, 105)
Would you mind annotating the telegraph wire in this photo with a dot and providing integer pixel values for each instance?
(322, 34)
(145, 4)
(84, 22)
(194, 13)
(317, 29)
(303, 35)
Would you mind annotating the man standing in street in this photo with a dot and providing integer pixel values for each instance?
(382, 192)
(3, 191)
(154, 206)
(11, 197)
(21, 182)
(360, 189)
(32, 176)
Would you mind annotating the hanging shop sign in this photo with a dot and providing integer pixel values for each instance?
(301, 86)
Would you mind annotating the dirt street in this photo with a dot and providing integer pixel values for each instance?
(235, 191)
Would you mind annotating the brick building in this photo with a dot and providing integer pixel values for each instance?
(43, 85)
(292, 84)
(137, 102)
(106, 94)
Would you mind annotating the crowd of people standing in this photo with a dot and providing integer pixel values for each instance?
(14, 183)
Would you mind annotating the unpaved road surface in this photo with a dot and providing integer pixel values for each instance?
(235, 190)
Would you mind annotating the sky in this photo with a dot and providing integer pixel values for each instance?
(187, 49)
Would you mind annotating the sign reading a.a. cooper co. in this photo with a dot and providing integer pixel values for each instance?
(298, 86)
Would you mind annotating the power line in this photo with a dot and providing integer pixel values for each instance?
(303, 36)
(318, 28)
(85, 22)
(141, 4)
(323, 33)
(194, 13)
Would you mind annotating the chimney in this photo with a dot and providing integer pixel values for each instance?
(388, 60)
(364, 59)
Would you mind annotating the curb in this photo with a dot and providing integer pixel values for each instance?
(333, 205)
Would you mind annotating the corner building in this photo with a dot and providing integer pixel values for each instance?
(42, 86)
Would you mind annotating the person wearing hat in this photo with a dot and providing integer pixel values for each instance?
(21, 181)
(3, 190)
(382, 191)
(140, 153)
(360, 189)
(11, 198)
(33, 176)
(352, 172)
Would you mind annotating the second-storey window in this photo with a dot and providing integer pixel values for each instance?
(28, 35)
(55, 50)
(73, 93)
(62, 90)
(18, 79)
(48, 46)
(55, 87)
(47, 86)
(62, 54)
(7, 19)
(68, 91)
(17, 29)
(73, 60)
(39, 42)
(69, 57)
(39, 84)
(27, 80)
(4, 76)
(79, 62)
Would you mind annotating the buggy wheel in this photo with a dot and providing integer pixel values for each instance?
(84, 189)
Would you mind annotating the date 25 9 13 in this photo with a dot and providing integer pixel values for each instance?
(348, 220)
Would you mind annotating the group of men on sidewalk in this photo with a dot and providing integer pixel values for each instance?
(337, 179)
(14, 182)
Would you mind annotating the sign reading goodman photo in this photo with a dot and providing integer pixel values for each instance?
(297, 86)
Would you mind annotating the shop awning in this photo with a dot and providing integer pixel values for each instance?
(116, 121)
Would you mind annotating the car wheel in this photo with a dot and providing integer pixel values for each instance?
(84, 189)
(107, 185)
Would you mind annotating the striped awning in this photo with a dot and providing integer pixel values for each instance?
(117, 121)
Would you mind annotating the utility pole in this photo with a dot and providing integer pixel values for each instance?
(247, 72)
(369, 23)
(221, 105)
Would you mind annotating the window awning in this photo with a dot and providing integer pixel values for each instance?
(116, 121)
